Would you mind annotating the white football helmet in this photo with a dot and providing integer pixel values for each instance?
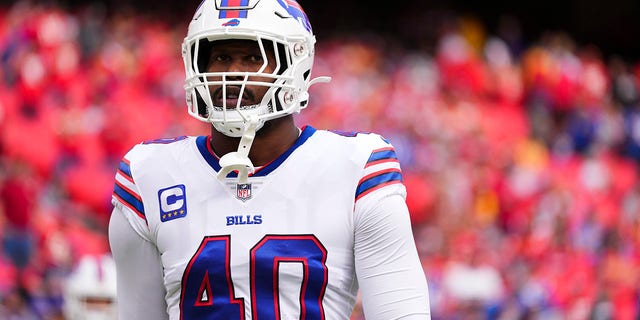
(90, 290)
(278, 25)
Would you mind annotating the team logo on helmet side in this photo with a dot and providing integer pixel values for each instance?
(296, 11)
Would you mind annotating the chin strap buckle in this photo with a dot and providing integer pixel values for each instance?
(239, 160)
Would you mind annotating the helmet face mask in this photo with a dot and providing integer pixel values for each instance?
(286, 43)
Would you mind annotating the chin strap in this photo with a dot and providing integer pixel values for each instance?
(239, 160)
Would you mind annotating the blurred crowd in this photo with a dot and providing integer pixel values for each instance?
(520, 159)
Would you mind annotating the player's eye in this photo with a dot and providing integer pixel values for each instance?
(221, 58)
(217, 60)
(255, 58)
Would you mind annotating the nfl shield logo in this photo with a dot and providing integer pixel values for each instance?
(243, 191)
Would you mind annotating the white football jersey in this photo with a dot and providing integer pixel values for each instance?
(280, 246)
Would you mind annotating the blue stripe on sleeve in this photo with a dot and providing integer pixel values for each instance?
(381, 155)
(375, 181)
(129, 198)
(124, 167)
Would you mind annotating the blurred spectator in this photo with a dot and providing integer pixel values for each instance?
(470, 282)
(18, 196)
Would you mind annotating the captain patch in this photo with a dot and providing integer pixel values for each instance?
(173, 203)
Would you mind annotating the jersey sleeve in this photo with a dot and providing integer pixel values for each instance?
(389, 271)
(140, 286)
(390, 275)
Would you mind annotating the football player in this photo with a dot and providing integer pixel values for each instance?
(90, 290)
(263, 219)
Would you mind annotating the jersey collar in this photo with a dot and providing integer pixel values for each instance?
(207, 153)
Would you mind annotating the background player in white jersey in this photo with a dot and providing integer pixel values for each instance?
(90, 290)
(262, 219)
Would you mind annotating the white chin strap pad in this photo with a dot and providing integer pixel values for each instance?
(239, 160)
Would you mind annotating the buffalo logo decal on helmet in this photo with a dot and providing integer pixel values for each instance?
(231, 23)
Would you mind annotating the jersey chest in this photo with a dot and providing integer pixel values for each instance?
(285, 236)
